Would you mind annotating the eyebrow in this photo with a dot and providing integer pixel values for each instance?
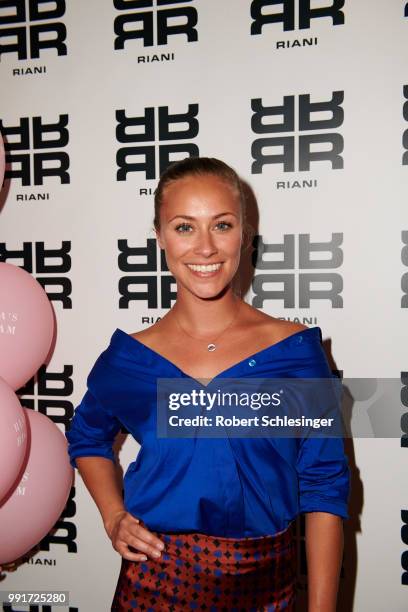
(192, 218)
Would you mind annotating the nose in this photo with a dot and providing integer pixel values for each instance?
(205, 244)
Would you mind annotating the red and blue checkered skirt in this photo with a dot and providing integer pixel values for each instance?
(197, 571)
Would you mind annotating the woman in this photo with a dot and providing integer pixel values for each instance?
(207, 523)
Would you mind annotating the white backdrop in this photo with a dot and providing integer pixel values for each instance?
(81, 228)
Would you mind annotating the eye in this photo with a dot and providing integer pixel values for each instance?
(224, 225)
(182, 228)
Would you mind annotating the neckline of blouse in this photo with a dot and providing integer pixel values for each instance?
(296, 338)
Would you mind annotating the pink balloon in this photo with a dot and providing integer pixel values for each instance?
(37, 501)
(13, 438)
(26, 325)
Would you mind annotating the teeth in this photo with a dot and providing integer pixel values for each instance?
(210, 268)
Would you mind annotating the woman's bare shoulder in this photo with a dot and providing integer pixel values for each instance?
(149, 333)
(271, 328)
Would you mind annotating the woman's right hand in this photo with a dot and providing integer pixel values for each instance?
(124, 530)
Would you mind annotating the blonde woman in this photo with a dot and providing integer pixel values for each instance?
(207, 524)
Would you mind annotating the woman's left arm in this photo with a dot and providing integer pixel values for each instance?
(324, 553)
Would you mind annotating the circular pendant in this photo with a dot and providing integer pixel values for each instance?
(211, 347)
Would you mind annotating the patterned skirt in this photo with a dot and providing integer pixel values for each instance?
(197, 571)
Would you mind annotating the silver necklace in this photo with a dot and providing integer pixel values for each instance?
(211, 346)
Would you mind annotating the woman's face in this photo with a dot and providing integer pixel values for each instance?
(201, 233)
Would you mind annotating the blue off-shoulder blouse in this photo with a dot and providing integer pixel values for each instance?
(231, 487)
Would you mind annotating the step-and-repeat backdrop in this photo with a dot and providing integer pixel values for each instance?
(308, 100)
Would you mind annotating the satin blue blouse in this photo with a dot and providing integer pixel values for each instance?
(227, 487)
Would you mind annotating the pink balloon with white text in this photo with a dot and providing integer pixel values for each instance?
(41, 492)
(13, 437)
(26, 325)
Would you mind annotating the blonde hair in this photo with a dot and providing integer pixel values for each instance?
(197, 166)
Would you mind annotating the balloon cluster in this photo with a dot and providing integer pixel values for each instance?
(35, 473)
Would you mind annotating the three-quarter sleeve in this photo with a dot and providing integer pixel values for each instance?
(322, 465)
(324, 476)
(93, 430)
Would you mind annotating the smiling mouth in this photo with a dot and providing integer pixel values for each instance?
(204, 268)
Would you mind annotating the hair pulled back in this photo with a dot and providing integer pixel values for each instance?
(196, 166)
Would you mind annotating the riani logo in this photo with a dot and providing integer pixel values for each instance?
(298, 284)
(293, 15)
(294, 136)
(153, 140)
(34, 150)
(148, 24)
(404, 278)
(52, 397)
(50, 266)
(31, 29)
(147, 278)
(405, 134)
